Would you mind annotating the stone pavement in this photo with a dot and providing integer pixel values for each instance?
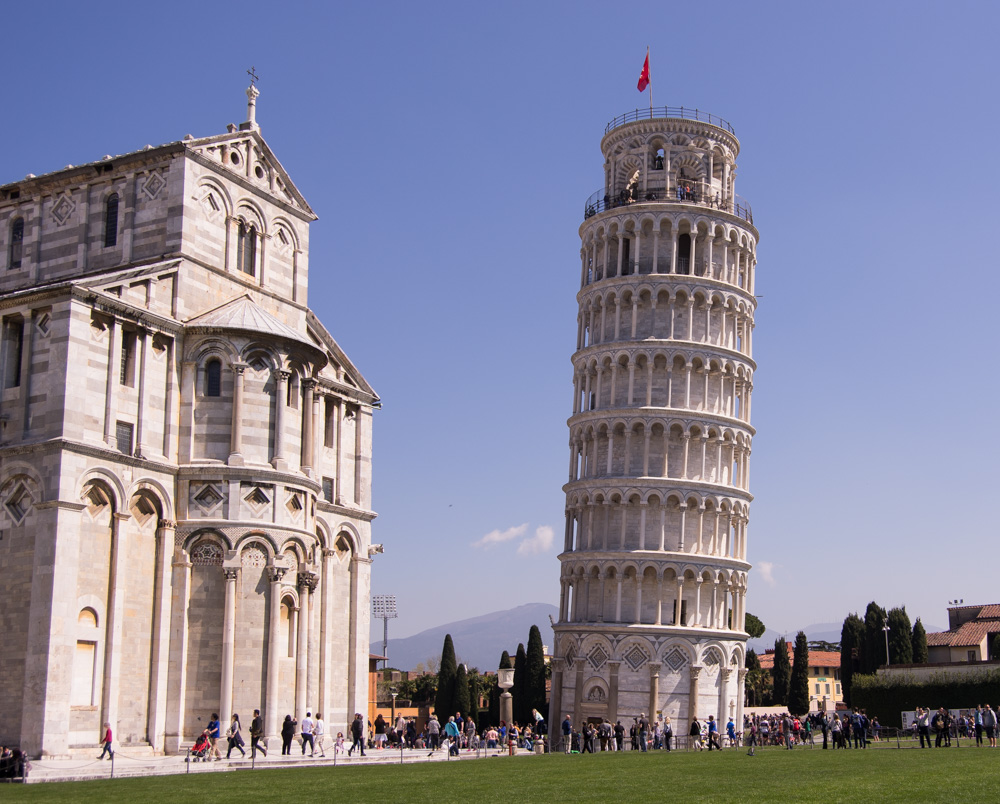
(64, 770)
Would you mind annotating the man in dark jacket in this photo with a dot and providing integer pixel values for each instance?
(357, 734)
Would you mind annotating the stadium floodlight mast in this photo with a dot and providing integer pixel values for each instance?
(384, 609)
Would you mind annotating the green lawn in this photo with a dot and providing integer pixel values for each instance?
(774, 775)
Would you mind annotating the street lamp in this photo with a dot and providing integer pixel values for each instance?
(505, 680)
(393, 692)
(886, 629)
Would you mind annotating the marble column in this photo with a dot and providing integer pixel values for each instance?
(280, 399)
(236, 440)
(160, 648)
(654, 690)
(228, 645)
(271, 714)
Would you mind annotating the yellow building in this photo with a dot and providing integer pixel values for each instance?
(824, 677)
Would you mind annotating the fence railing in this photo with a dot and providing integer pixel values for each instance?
(681, 112)
(602, 201)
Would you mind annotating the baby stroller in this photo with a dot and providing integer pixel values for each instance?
(199, 751)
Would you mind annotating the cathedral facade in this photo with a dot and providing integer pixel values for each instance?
(185, 455)
(654, 564)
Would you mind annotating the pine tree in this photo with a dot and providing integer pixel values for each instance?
(753, 626)
(781, 672)
(900, 633)
(798, 687)
(520, 688)
(852, 637)
(445, 700)
(535, 671)
(918, 639)
(754, 680)
(873, 656)
(461, 701)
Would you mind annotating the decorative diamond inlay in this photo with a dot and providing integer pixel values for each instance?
(570, 658)
(152, 186)
(19, 503)
(597, 657)
(63, 209)
(675, 660)
(712, 659)
(636, 657)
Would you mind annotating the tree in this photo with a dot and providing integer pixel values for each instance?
(900, 643)
(993, 649)
(444, 703)
(756, 679)
(919, 642)
(520, 688)
(781, 672)
(873, 656)
(852, 637)
(798, 687)
(475, 690)
(753, 626)
(461, 700)
(535, 670)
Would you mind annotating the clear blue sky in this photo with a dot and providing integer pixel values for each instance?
(448, 149)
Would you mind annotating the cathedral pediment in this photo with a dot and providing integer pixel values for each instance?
(246, 156)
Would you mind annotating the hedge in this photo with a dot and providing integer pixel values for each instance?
(888, 697)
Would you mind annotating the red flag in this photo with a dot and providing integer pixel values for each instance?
(644, 75)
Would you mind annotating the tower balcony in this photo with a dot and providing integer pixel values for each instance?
(676, 112)
(684, 193)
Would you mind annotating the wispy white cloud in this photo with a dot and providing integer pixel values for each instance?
(495, 537)
(541, 542)
(765, 569)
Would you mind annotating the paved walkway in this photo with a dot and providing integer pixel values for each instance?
(64, 770)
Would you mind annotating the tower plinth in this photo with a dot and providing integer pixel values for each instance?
(654, 565)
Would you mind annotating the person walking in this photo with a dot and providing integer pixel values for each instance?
(106, 742)
(453, 734)
(357, 734)
(213, 737)
(307, 734)
(256, 732)
(234, 737)
(319, 732)
(567, 730)
(287, 734)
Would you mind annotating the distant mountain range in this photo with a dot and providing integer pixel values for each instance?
(479, 641)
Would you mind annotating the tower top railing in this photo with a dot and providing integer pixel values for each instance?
(687, 193)
(680, 112)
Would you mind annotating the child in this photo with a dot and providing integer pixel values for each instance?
(338, 745)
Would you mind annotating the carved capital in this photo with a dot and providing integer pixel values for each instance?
(308, 580)
(275, 574)
(231, 573)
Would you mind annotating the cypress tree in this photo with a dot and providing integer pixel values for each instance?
(781, 672)
(461, 701)
(444, 703)
(852, 637)
(520, 688)
(918, 640)
(474, 687)
(873, 656)
(535, 670)
(798, 687)
(900, 633)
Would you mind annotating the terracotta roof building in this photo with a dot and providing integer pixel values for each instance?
(824, 676)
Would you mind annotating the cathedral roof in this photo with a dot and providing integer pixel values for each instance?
(244, 314)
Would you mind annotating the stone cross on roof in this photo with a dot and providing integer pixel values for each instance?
(252, 93)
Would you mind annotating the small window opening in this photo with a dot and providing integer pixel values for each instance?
(127, 372)
(111, 221)
(328, 420)
(658, 159)
(16, 243)
(684, 254)
(123, 437)
(13, 349)
(246, 248)
(213, 378)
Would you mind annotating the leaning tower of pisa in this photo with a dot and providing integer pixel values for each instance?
(654, 566)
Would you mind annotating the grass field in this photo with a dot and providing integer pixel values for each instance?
(910, 775)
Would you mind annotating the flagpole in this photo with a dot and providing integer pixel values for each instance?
(650, 85)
